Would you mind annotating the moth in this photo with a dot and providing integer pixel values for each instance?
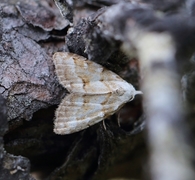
(94, 93)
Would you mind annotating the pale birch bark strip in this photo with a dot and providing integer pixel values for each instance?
(170, 154)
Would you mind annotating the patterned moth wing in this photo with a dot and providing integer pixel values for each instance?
(95, 93)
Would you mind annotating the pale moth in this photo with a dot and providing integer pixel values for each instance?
(95, 93)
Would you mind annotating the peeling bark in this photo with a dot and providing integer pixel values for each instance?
(27, 76)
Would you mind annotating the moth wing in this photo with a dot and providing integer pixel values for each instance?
(77, 112)
(77, 74)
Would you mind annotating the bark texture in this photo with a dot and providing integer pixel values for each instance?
(27, 74)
